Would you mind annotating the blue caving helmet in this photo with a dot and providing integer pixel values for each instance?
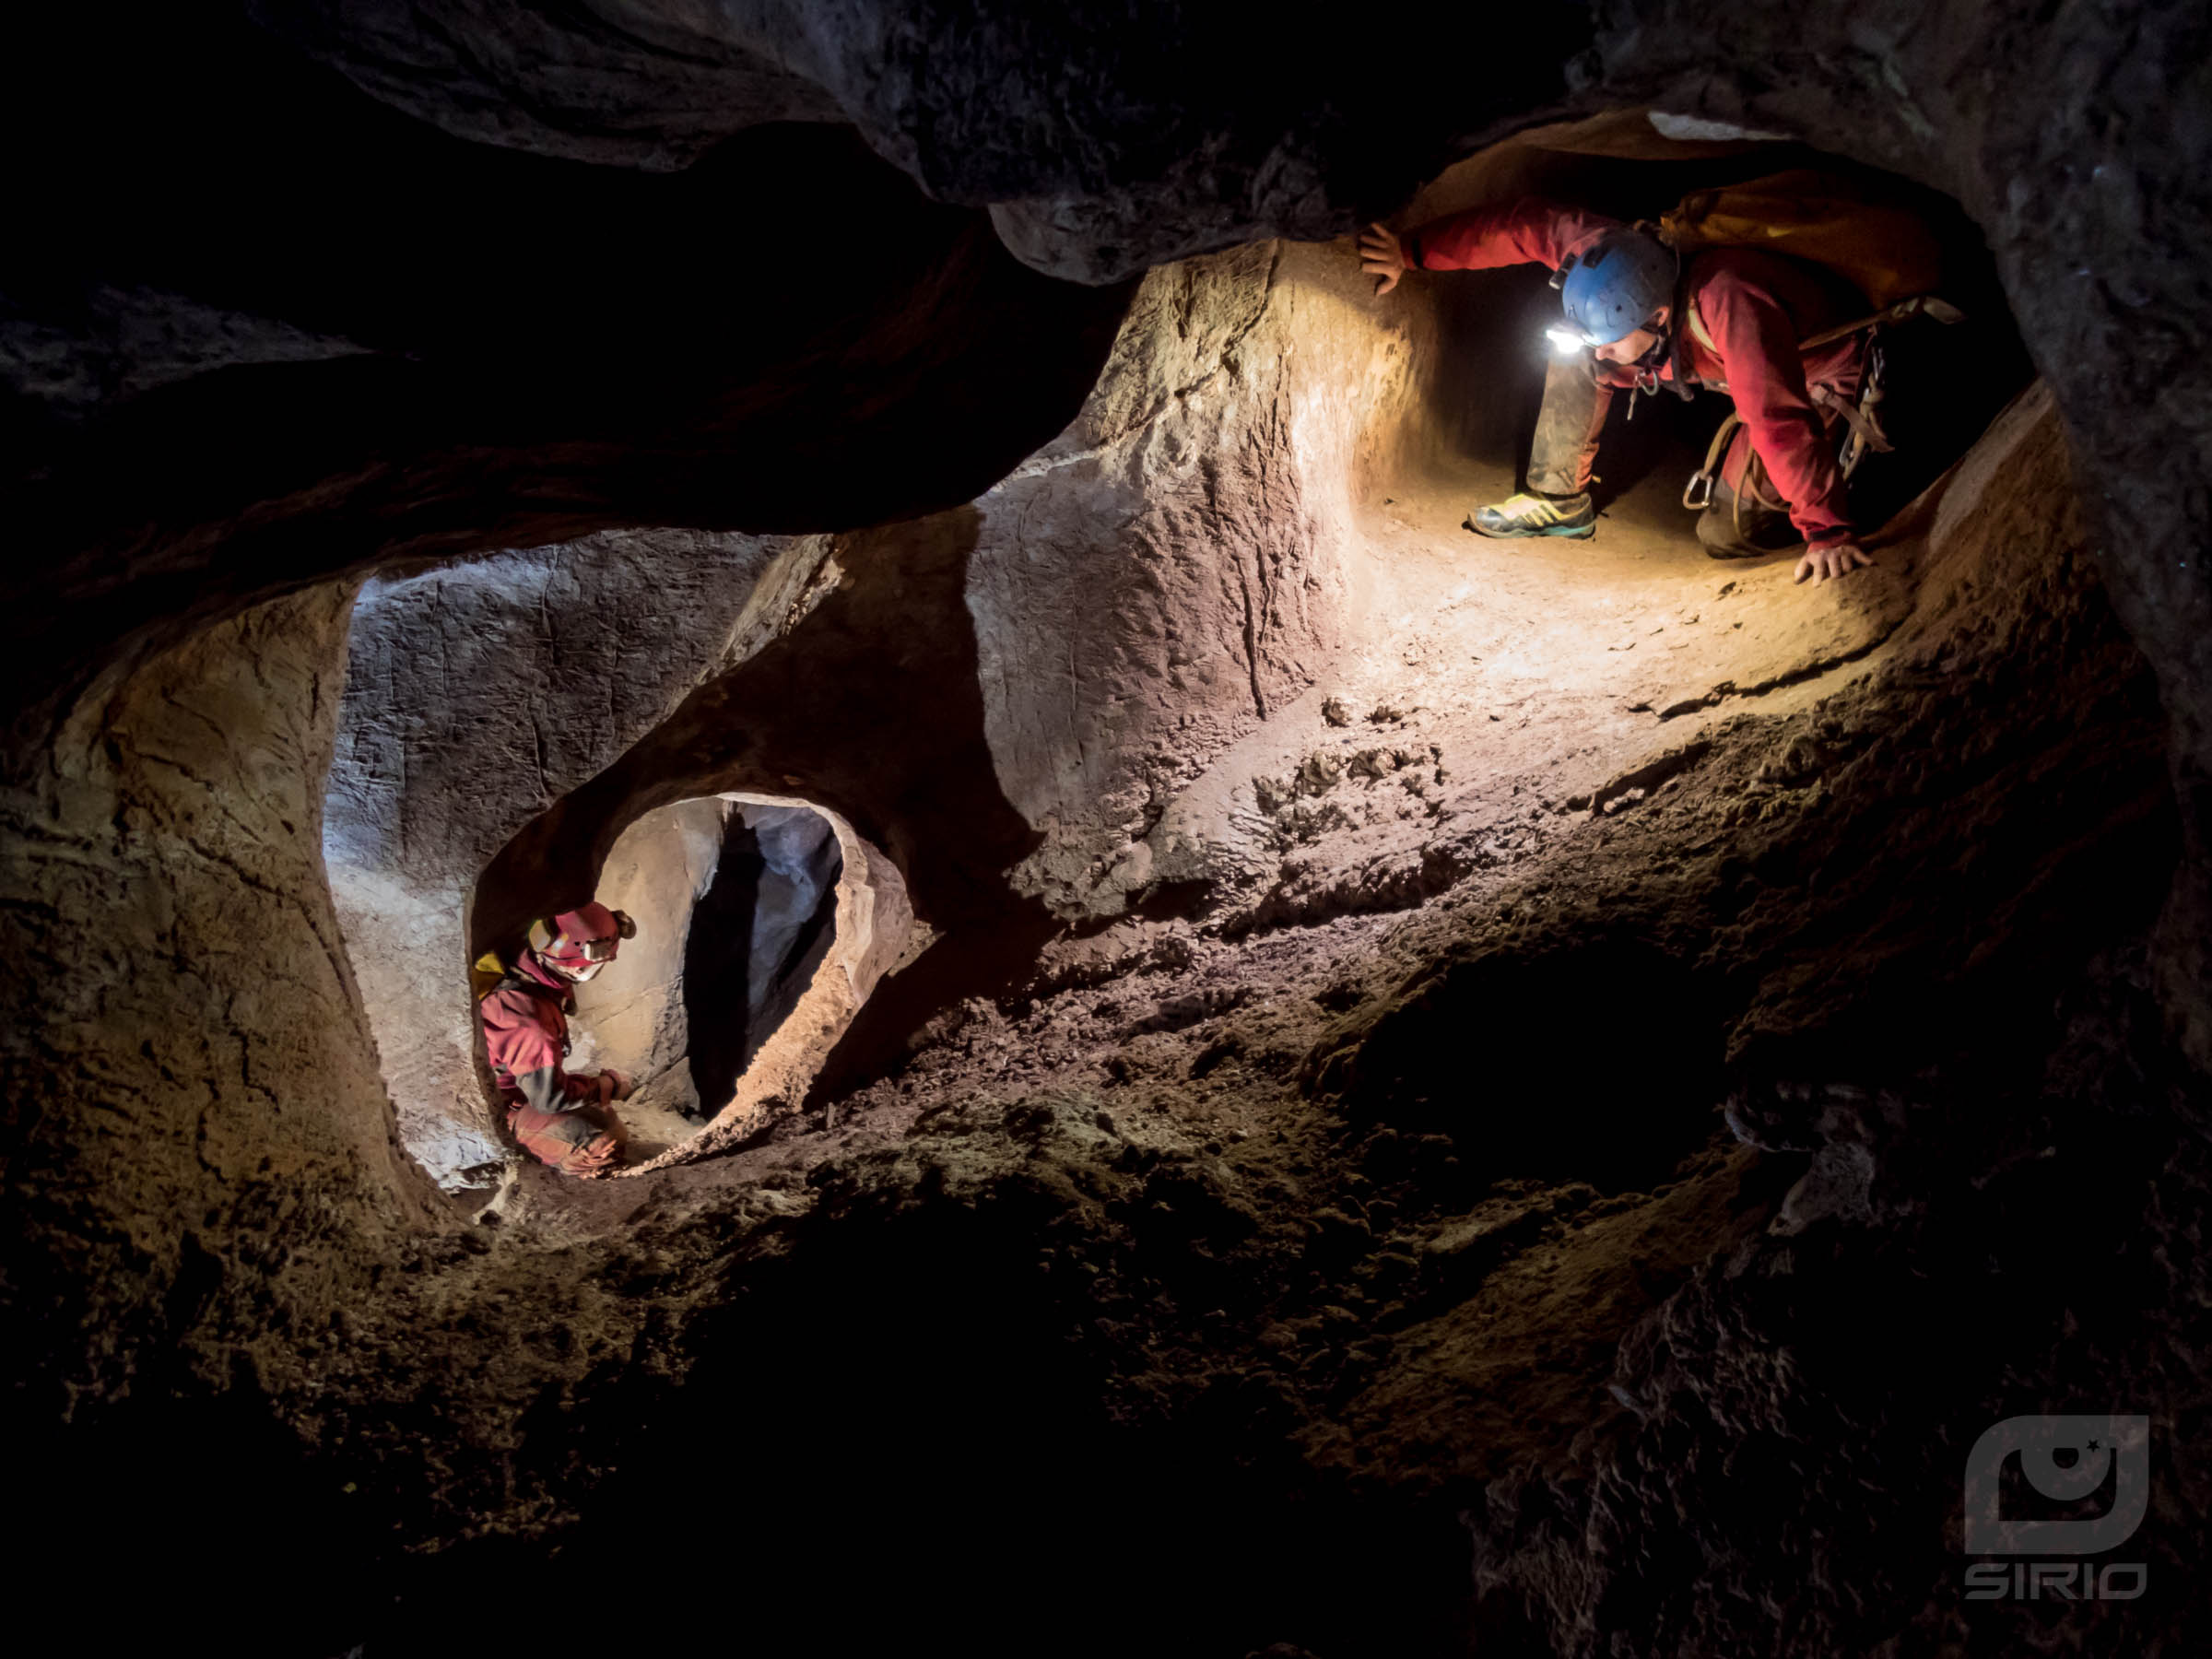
(1624, 278)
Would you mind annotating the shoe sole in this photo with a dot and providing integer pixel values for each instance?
(1573, 532)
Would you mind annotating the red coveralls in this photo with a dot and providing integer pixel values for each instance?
(526, 1030)
(1753, 308)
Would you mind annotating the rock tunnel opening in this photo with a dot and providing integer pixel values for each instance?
(1569, 637)
(1289, 723)
(1945, 385)
(737, 905)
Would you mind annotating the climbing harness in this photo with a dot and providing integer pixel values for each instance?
(1861, 417)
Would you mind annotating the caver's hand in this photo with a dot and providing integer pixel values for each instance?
(1381, 257)
(615, 1086)
(1832, 558)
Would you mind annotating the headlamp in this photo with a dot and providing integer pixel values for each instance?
(1568, 341)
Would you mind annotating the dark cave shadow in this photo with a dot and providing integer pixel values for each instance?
(1597, 1061)
(983, 960)
(926, 1397)
(734, 999)
(187, 1483)
(794, 968)
(718, 952)
(508, 388)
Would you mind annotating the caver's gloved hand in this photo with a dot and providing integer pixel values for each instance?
(549, 1088)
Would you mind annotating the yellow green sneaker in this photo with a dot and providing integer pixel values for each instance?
(1522, 515)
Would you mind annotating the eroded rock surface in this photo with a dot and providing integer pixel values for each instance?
(165, 893)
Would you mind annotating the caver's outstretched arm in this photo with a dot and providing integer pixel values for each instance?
(1526, 230)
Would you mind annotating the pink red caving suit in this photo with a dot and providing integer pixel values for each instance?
(560, 1119)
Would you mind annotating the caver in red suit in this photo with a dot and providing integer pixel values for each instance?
(1740, 315)
(560, 1119)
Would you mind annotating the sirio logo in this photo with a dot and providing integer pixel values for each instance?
(2068, 1461)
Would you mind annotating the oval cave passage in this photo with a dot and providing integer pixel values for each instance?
(737, 910)
(741, 904)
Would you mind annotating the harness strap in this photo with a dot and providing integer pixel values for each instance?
(1870, 435)
(1697, 495)
(1755, 481)
(1919, 305)
(516, 980)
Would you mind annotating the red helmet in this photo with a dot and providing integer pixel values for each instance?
(581, 938)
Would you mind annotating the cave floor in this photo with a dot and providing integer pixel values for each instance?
(1588, 649)
(1497, 685)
